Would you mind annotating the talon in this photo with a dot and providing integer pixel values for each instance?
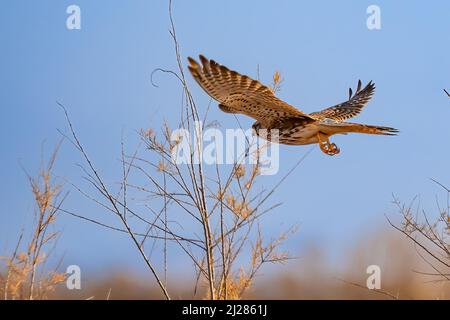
(328, 148)
(334, 149)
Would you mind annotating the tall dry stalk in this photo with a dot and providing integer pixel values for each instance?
(209, 213)
(25, 276)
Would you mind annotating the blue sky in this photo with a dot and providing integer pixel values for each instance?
(102, 74)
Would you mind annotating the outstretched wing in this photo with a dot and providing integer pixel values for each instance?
(350, 108)
(238, 93)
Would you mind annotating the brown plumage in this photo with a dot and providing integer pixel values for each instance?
(238, 93)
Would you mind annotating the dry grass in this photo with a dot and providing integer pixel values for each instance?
(25, 275)
(315, 275)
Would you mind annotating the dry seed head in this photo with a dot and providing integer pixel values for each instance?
(276, 77)
(148, 133)
(162, 167)
(236, 286)
(239, 208)
(276, 82)
(56, 278)
(239, 171)
(22, 257)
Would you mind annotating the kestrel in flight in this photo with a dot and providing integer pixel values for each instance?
(238, 93)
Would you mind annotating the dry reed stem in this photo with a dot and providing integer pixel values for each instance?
(22, 280)
(222, 204)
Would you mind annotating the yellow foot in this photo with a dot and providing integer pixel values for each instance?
(328, 148)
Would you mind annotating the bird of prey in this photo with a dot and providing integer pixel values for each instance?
(238, 93)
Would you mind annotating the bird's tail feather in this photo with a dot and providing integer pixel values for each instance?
(348, 127)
